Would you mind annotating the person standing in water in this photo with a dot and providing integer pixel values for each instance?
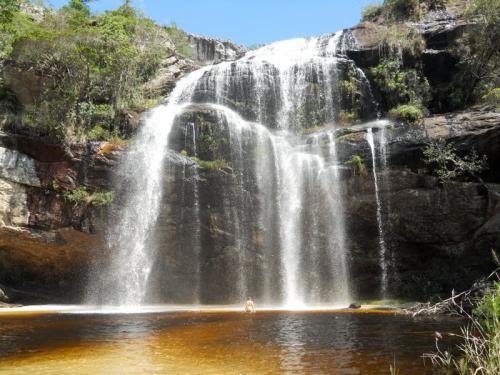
(249, 305)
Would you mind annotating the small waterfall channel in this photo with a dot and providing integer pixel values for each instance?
(380, 224)
(275, 228)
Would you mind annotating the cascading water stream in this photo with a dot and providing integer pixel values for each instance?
(285, 179)
(381, 234)
(125, 280)
(282, 207)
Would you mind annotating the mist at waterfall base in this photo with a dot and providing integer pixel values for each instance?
(279, 214)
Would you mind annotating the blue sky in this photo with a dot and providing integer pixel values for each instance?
(247, 22)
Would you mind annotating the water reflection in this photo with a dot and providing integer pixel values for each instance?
(291, 341)
(216, 343)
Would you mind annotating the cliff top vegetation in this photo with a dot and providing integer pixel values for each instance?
(72, 75)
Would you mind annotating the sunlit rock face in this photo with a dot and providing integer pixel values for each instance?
(438, 237)
(212, 50)
(13, 204)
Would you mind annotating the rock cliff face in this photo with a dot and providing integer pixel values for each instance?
(438, 237)
(46, 241)
(440, 30)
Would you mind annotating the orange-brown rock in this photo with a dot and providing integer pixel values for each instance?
(47, 264)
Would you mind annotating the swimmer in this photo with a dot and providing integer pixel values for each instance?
(249, 305)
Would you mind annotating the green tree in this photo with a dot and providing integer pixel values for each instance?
(77, 12)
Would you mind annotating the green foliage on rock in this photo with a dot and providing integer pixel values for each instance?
(492, 97)
(398, 85)
(351, 137)
(347, 117)
(448, 166)
(99, 133)
(358, 164)
(401, 10)
(408, 113)
(409, 10)
(353, 96)
(81, 195)
(399, 39)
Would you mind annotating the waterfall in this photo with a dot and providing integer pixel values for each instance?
(287, 85)
(299, 192)
(274, 226)
(124, 280)
(381, 234)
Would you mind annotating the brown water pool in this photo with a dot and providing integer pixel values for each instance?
(218, 343)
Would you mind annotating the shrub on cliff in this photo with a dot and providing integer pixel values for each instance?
(180, 39)
(492, 97)
(409, 10)
(444, 161)
(82, 196)
(408, 113)
(358, 164)
(398, 85)
(400, 10)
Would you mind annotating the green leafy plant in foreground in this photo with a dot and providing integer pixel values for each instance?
(479, 352)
